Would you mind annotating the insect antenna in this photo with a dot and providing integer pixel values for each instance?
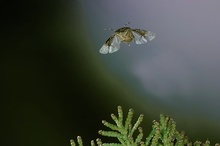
(127, 23)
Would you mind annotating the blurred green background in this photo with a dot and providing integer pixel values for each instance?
(54, 86)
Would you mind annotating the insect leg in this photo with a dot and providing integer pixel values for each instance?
(109, 29)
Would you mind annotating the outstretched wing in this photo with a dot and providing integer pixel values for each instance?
(111, 45)
(142, 36)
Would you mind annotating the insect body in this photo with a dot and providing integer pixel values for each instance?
(127, 35)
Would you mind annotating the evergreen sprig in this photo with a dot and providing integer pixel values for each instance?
(123, 131)
(163, 133)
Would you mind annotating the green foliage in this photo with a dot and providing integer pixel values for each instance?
(163, 133)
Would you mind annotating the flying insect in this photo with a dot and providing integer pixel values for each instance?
(126, 35)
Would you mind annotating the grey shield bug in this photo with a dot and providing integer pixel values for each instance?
(126, 35)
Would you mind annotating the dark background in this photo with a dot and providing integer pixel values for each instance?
(55, 87)
(52, 86)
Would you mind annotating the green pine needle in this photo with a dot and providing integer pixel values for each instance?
(163, 133)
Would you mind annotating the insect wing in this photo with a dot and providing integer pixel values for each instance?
(142, 36)
(104, 49)
(150, 35)
(111, 45)
(115, 45)
(139, 38)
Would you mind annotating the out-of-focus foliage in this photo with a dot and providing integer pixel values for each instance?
(163, 133)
